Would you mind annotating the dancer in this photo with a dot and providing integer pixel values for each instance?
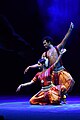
(59, 75)
(49, 94)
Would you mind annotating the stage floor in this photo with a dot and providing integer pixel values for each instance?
(18, 108)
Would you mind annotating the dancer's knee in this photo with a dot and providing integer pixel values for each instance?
(31, 101)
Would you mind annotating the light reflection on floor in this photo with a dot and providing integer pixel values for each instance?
(12, 107)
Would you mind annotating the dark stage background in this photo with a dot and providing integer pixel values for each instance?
(23, 24)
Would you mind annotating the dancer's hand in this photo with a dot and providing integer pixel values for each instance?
(26, 69)
(19, 87)
(63, 50)
(71, 26)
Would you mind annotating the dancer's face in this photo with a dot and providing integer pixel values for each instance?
(46, 44)
(45, 64)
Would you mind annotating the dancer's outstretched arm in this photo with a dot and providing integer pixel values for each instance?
(63, 42)
(31, 66)
(25, 84)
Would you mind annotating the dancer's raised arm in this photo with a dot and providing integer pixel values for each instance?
(63, 42)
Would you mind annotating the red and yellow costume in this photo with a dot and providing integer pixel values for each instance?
(62, 77)
(49, 94)
(59, 75)
(54, 81)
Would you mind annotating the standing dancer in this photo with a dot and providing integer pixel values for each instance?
(59, 75)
